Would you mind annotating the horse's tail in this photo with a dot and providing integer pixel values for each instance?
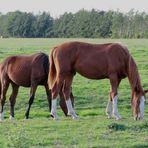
(133, 75)
(46, 63)
(52, 70)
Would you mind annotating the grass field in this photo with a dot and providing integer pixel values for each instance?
(93, 130)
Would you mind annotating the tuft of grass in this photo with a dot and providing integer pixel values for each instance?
(116, 127)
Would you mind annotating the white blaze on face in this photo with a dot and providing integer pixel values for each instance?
(141, 106)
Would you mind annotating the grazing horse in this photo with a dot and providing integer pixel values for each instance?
(95, 61)
(26, 71)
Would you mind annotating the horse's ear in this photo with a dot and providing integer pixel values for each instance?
(145, 91)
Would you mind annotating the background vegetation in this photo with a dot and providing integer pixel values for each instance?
(86, 24)
(93, 130)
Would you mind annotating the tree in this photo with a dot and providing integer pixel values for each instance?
(44, 24)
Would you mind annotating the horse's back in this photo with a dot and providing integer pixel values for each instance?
(94, 61)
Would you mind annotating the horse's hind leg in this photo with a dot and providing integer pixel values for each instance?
(13, 99)
(114, 81)
(55, 91)
(4, 88)
(63, 103)
(66, 92)
(48, 92)
(32, 94)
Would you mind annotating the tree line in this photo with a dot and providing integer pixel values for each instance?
(84, 23)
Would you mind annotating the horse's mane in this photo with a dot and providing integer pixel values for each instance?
(134, 77)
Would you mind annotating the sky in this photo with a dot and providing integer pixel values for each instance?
(58, 7)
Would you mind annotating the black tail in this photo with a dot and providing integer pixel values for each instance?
(46, 63)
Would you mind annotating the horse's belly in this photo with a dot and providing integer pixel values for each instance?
(92, 73)
(21, 80)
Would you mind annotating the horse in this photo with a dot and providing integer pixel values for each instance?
(95, 61)
(26, 71)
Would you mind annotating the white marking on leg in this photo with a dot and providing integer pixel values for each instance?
(1, 116)
(70, 109)
(115, 108)
(11, 118)
(141, 106)
(109, 109)
(54, 109)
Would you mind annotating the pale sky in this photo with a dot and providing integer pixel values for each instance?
(58, 7)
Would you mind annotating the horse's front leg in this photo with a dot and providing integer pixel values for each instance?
(114, 81)
(55, 91)
(109, 107)
(115, 108)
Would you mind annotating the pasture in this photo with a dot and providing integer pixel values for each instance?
(93, 130)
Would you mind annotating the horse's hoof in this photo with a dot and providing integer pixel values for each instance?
(138, 118)
(75, 118)
(11, 118)
(26, 118)
(73, 115)
(1, 116)
(109, 117)
(118, 117)
(51, 116)
(55, 117)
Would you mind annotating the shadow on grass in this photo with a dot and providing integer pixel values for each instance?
(117, 127)
(140, 146)
(121, 127)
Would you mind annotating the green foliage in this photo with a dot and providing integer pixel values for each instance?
(22, 24)
(84, 23)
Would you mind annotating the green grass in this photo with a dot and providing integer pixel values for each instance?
(93, 129)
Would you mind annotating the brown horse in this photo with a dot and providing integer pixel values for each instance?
(95, 61)
(26, 71)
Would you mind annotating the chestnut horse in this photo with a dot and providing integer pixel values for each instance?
(26, 71)
(95, 61)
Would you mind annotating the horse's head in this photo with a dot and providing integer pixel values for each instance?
(138, 100)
